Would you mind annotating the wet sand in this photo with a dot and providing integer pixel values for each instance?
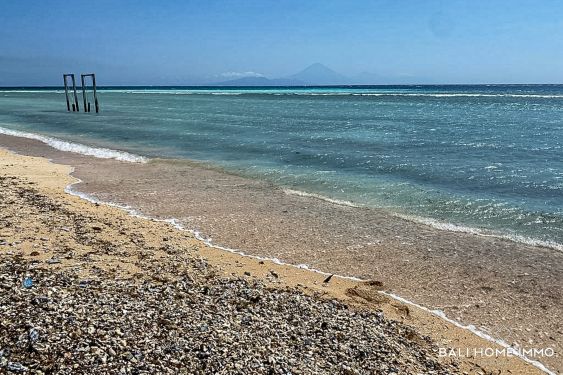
(510, 290)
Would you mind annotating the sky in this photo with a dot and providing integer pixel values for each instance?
(183, 42)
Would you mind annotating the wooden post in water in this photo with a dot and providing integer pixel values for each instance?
(77, 108)
(95, 94)
(83, 92)
(66, 92)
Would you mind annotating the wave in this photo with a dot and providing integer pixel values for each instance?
(462, 95)
(321, 197)
(336, 93)
(98, 152)
(304, 93)
(34, 91)
(440, 224)
(481, 232)
(430, 95)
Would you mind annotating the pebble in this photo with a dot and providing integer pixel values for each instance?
(234, 324)
(16, 367)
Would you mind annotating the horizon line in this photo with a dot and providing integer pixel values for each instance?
(295, 86)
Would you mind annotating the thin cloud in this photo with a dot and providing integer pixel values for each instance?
(233, 75)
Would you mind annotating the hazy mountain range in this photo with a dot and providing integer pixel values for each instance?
(315, 74)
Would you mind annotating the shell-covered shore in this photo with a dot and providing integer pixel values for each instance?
(172, 313)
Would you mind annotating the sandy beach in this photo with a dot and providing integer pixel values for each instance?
(89, 259)
(290, 187)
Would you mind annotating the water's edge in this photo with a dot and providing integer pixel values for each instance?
(105, 153)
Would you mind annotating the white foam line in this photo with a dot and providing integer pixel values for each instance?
(321, 197)
(480, 232)
(207, 241)
(474, 330)
(77, 148)
(351, 93)
(438, 224)
(197, 234)
(429, 95)
(33, 91)
(463, 95)
(310, 93)
(305, 93)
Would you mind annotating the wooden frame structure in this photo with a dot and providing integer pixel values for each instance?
(75, 107)
(84, 93)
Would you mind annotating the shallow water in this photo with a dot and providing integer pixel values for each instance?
(484, 157)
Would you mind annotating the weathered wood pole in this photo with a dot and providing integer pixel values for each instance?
(75, 94)
(95, 95)
(66, 93)
(83, 92)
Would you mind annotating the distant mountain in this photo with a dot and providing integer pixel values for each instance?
(319, 74)
(315, 74)
(261, 81)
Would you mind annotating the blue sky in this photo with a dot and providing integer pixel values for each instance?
(194, 42)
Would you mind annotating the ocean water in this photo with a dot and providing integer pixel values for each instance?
(487, 159)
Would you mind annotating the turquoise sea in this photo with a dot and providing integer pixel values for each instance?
(485, 158)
